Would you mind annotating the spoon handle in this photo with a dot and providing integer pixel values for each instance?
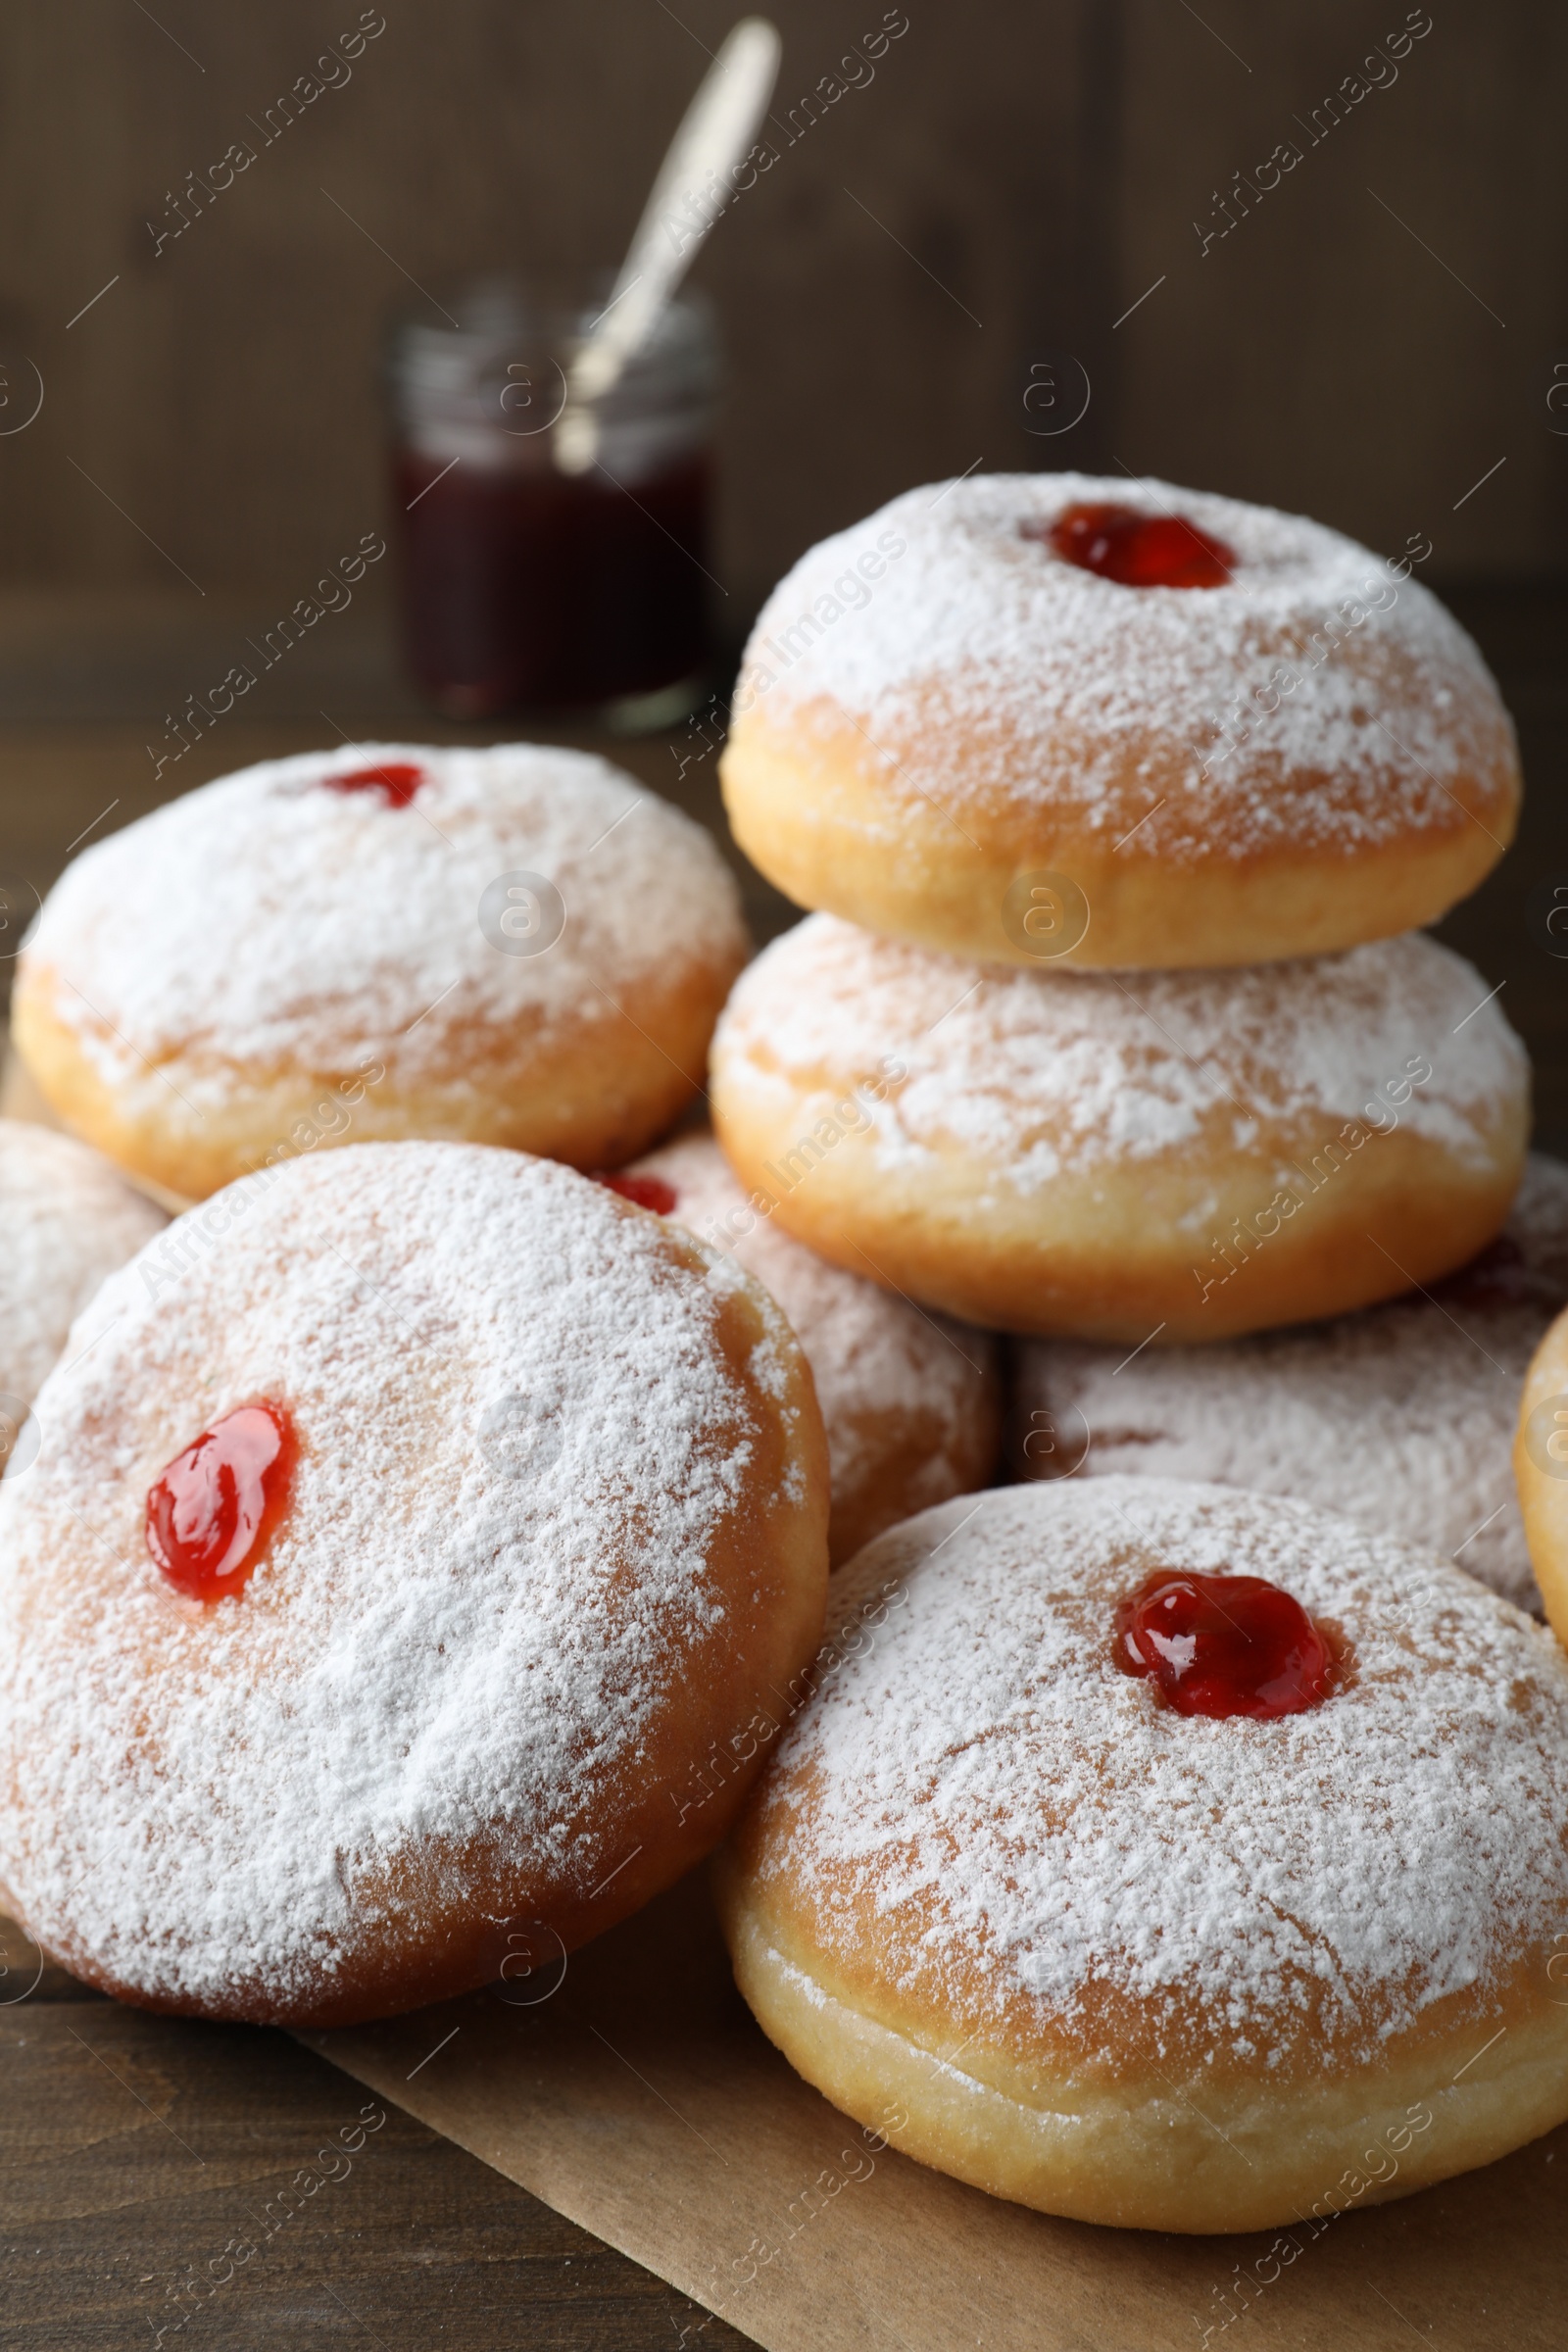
(686, 199)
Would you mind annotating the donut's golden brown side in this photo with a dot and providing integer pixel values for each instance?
(1112, 1254)
(1541, 1471)
(909, 1455)
(811, 811)
(1201, 1156)
(591, 1091)
(400, 1816)
(1138, 2154)
(1105, 1961)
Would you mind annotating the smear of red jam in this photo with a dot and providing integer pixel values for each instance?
(399, 780)
(1138, 550)
(217, 1505)
(1224, 1645)
(649, 1192)
(1499, 1275)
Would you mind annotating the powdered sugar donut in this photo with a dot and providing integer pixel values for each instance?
(1115, 723)
(911, 1401)
(1541, 1468)
(67, 1221)
(1168, 1856)
(1401, 1417)
(518, 945)
(425, 1519)
(1183, 1155)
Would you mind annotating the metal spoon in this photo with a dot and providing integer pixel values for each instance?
(690, 192)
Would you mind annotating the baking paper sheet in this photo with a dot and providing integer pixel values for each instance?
(631, 2089)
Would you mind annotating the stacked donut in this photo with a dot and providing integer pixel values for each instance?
(1119, 807)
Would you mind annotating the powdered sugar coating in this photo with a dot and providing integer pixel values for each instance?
(870, 1353)
(1038, 1835)
(1044, 1072)
(985, 671)
(66, 1222)
(519, 1443)
(267, 920)
(1401, 1416)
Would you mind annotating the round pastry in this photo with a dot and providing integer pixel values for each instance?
(911, 1401)
(67, 1221)
(1029, 716)
(1167, 1857)
(1540, 1469)
(518, 945)
(1401, 1417)
(1186, 1157)
(388, 1578)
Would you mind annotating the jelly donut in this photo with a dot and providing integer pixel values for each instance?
(1029, 716)
(517, 946)
(1401, 1417)
(1168, 1856)
(1185, 1157)
(66, 1222)
(386, 1576)
(1540, 1470)
(911, 1401)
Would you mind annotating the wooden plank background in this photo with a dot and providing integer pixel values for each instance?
(1368, 340)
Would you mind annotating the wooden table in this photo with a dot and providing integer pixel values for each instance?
(135, 2150)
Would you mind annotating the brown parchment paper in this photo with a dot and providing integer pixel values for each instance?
(637, 2097)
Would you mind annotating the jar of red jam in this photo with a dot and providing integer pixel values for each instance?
(526, 586)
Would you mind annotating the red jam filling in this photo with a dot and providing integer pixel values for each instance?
(649, 1192)
(217, 1505)
(1224, 1645)
(1138, 550)
(1500, 1276)
(399, 780)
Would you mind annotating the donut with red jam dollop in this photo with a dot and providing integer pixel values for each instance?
(1254, 1925)
(422, 1523)
(517, 946)
(1056, 719)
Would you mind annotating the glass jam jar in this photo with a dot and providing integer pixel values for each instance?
(526, 586)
